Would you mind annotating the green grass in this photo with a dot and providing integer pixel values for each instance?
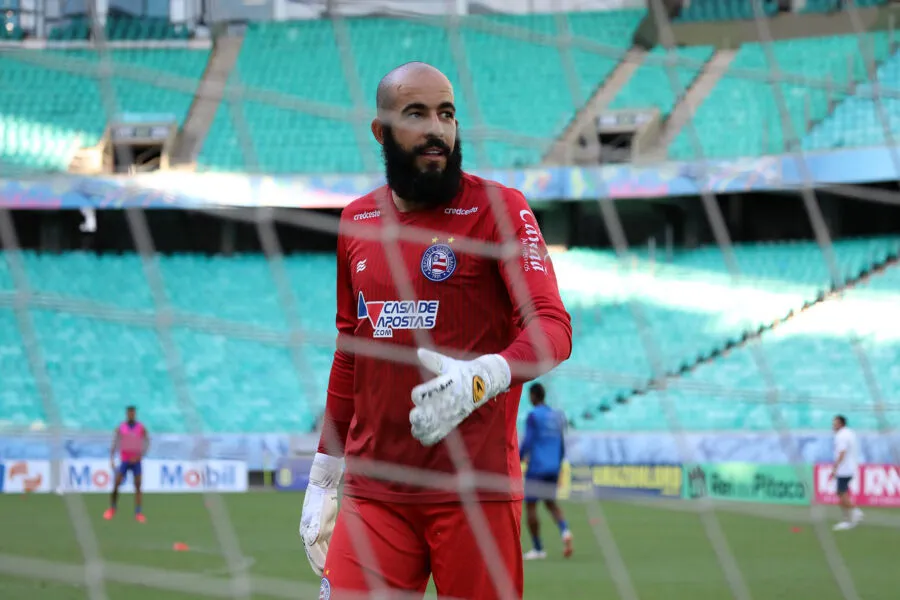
(663, 545)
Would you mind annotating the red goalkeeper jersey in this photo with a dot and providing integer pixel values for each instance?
(452, 289)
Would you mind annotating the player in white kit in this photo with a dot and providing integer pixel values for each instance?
(846, 465)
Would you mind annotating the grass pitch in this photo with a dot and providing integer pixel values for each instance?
(662, 544)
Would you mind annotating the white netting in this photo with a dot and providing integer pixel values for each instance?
(245, 94)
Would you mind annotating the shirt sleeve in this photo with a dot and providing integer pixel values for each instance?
(339, 402)
(545, 328)
(525, 450)
(840, 444)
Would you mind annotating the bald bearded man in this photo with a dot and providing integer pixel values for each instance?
(476, 328)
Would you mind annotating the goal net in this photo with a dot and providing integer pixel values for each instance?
(709, 177)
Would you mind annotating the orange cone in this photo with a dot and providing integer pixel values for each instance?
(180, 547)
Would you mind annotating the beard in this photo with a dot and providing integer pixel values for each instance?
(426, 189)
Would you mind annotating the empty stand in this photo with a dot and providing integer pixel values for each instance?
(52, 103)
(518, 81)
(745, 102)
(241, 375)
(663, 78)
(866, 118)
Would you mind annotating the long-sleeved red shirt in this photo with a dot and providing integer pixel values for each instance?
(464, 301)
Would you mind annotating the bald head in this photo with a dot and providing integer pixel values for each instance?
(417, 129)
(405, 77)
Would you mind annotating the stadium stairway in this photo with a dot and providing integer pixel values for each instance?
(602, 96)
(890, 263)
(208, 97)
(694, 96)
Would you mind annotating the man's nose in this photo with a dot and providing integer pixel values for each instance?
(434, 127)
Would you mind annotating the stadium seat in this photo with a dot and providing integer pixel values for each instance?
(751, 98)
(864, 119)
(726, 10)
(49, 107)
(304, 124)
(231, 336)
(653, 86)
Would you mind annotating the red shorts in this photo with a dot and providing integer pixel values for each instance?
(380, 545)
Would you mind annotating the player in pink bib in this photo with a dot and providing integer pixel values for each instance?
(132, 440)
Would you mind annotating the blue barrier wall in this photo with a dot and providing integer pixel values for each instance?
(185, 190)
(583, 449)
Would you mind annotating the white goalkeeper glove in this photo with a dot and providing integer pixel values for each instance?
(320, 509)
(460, 387)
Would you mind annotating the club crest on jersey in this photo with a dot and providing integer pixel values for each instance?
(389, 315)
(325, 589)
(438, 262)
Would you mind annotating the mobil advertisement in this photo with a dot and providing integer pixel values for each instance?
(24, 476)
(597, 481)
(158, 476)
(748, 482)
(873, 485)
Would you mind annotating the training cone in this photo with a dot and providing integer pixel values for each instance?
(796, 530)
(180, 547)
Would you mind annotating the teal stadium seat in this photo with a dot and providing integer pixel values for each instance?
(745, 100)
(726, 10)
(509, 63)
(118, 29)
(653, 84)
(859, 121)
(242, 376)
(48, 109)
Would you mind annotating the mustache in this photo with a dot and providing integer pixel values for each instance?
(433, 144)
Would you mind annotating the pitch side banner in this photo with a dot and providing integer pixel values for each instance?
(24, 476)
(597, 481)
(158, 476)
(873, 485)
(292, 474)
(748, 482)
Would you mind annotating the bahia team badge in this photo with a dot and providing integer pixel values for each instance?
(438, 262)
(325, 589)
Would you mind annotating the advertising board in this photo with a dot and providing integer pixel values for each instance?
(158, 476)
(595, 481)
(24, 476)
(748, 482)
(873, 485)
(292, 474)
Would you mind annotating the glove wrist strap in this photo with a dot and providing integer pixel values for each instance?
(499, 375)
(326, 471)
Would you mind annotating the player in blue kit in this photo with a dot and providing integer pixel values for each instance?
(544, 447)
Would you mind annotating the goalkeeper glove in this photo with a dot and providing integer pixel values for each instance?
(320, 508)
(460, 387)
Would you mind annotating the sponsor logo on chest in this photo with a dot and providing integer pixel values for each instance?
(386, 316)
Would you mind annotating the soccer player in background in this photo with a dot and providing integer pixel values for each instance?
(544, 447)
(846, 463)
(491, 323)
(133, 441)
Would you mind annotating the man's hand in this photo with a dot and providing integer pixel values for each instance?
(320, 508)
(460, 387)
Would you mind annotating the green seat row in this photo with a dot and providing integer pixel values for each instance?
(770, 94)
(53, 102)
(518, 99)
(232, 332)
